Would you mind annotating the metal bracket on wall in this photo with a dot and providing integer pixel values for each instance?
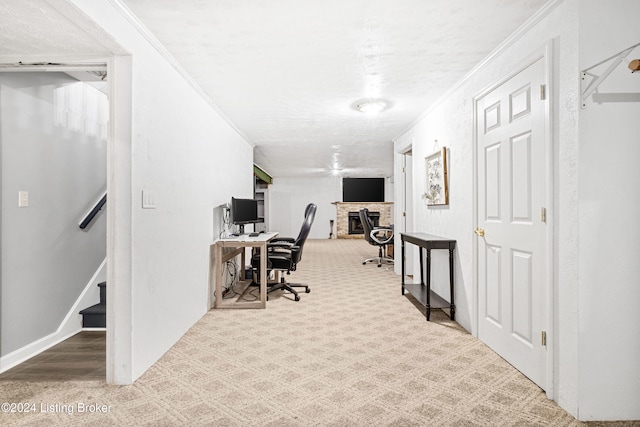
(586, 89)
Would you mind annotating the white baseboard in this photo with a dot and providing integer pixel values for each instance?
(71, 325)
(30, 350)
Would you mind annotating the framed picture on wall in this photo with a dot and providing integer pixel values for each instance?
(437, 190)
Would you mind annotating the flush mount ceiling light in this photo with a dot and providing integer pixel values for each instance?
(371, 105)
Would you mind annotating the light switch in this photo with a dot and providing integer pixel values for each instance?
(23, 199)
(148, 200)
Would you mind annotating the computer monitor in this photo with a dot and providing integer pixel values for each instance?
(244, 211)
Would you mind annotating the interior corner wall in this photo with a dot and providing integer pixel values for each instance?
(609, 206)
(288, 198)
(188, 160)
(451, 123)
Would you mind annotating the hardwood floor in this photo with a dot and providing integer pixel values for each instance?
(80, 358)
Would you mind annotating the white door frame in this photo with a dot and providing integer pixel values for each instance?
(403, 203)
(119, 361)
(546, 53)
(119, 357)
(408, 209)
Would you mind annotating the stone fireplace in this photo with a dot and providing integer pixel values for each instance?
(348, 224)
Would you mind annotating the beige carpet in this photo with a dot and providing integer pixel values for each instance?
(353, 352)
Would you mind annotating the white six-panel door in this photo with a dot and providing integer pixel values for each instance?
(512, 183)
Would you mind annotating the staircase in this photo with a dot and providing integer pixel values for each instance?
(96, 315)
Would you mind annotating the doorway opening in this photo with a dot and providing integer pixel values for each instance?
(54, 157)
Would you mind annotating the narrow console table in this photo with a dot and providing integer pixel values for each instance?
(422, 292)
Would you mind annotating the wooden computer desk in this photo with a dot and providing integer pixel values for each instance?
(223, 250)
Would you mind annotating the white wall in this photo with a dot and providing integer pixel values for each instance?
(288, 198)
(451, 123)
(609, 206)
(53, 141)
(192, 163)
(191, 160)
(596, 203)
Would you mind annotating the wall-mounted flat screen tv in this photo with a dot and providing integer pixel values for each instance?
(363, 189)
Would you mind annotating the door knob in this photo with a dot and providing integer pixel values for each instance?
(479, 232)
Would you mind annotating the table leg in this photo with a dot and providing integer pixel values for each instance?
(428, 307)
(263, 275)
(421, 252)
(403, 265)
(451, 288)
(218, 275)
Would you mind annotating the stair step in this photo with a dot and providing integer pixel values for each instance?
(95, 309)
(103, 292)
(95, 316)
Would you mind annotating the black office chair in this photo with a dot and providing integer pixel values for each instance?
(284, 254)
(376, 236)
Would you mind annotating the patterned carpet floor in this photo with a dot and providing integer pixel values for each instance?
(353, 352)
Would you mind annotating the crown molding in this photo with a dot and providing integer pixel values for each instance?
(502, 47)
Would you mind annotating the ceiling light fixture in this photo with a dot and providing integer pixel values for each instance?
(371, 105)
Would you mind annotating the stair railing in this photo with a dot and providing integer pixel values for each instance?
(93, 212)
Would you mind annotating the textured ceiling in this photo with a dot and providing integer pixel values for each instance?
(287, 72)
(48, 30)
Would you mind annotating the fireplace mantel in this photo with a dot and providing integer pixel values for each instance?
(342, 216)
